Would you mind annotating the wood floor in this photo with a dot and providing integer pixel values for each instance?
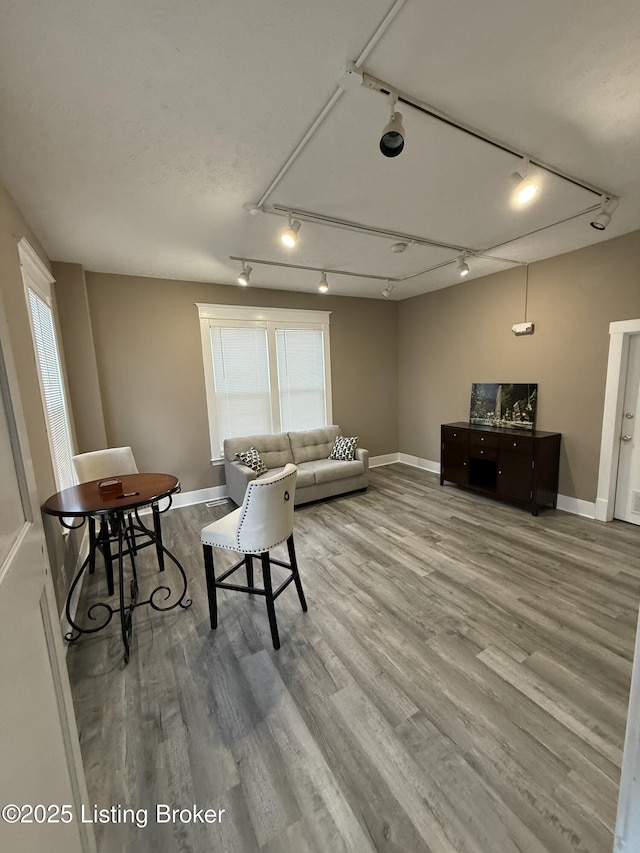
(460, 683)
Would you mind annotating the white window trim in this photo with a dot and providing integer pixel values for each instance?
(269, 318)
(37, 277)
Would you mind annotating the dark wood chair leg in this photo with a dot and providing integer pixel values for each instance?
(211, 585)
(296, 573)
(248, 561)
(268, 590)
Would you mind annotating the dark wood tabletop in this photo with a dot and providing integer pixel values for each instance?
(85, 499)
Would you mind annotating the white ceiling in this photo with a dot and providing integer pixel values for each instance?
(133, 133)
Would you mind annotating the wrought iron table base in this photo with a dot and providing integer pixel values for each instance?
(121, 521)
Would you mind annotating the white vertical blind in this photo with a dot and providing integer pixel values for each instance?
(241, 378)
(301, 375)
(52, 384)
(266, 370)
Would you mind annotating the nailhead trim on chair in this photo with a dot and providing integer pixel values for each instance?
(253, 484)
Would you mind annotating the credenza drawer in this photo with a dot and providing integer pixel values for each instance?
(481, 452)
(516, 443)
(483, 439)
(453, 435)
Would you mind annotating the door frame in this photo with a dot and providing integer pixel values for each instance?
(10, 390)
(619, 334)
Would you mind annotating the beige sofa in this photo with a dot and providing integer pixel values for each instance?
(318, 476)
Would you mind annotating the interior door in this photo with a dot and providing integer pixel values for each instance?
(627, 503)
(41, 770)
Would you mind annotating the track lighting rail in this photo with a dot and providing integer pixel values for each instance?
(263, 262)
(349, 225)
(384, 88)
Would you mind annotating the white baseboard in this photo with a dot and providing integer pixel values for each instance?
(575, 506)
(418, 462)
(385, 459)
(602, 510)
(199, 496)
(587, 509)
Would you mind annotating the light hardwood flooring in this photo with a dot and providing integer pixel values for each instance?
(460, 683)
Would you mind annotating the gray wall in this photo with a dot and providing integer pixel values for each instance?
(453, 337)
(149, 357)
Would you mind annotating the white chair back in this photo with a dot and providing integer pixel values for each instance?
(266, 515)
(99, 464)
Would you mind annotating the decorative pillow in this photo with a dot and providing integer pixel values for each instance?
(344, 448)
(252, 459)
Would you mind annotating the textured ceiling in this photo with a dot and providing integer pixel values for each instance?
(133, 133)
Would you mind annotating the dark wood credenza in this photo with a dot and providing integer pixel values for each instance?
(512, 464)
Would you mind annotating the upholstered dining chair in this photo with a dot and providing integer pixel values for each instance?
(99, 465)
(264, 520)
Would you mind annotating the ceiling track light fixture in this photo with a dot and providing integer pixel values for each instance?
(290, 235)
(392, 139)
(323, 284)
(388, 289)
(462, 267)
(264, 262)
(402, 240)
(245, 275)
(526, 186)
(608, 205)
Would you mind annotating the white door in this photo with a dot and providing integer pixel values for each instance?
(42, 785)
(627, 504)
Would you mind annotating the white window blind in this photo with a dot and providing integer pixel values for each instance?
(267, 370)
(52, 386)
(301, 378)
(241, 377)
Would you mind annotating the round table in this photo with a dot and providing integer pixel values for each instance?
(119, 522)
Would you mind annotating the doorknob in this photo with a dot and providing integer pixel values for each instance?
(629, 415)
(625, 438)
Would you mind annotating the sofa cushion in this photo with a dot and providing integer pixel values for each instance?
(344, 449)
(252, 459)
(303, 478)
(274, 450)
(312, 443)
(327, 470)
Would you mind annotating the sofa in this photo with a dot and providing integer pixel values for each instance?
(318, 476)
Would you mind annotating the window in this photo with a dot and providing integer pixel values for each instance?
(266, 370)
(37, 282)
